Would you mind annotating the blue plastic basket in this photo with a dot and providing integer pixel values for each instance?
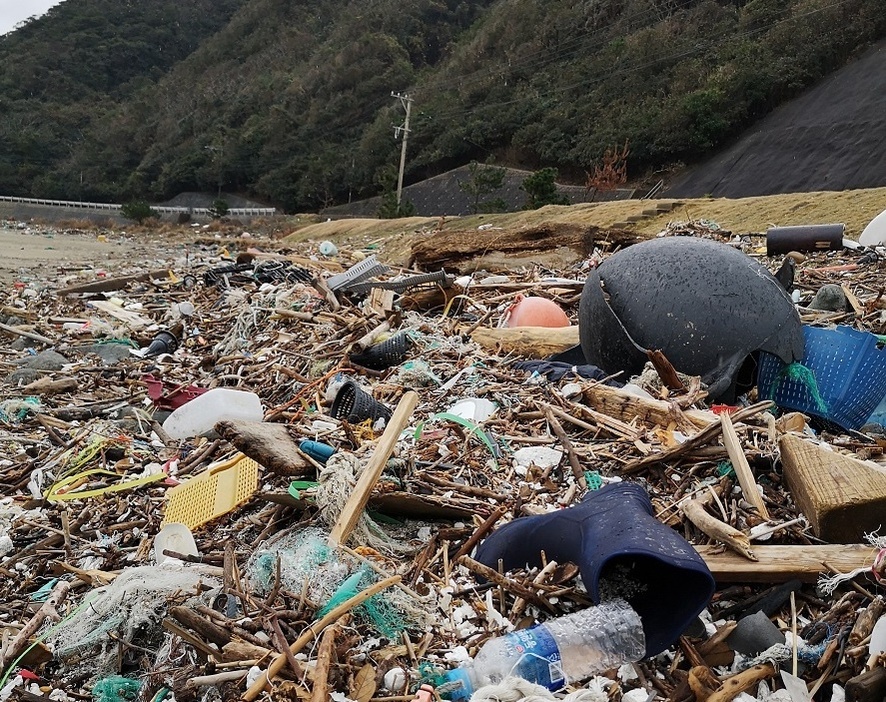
(846, 382)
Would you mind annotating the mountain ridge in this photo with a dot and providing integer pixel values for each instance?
(289, 102)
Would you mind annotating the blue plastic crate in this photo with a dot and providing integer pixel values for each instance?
(849, 372)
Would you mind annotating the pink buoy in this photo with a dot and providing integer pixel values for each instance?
(535, 312)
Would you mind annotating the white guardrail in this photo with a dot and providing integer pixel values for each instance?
(234, 211)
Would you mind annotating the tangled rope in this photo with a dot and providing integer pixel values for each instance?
(779, 653)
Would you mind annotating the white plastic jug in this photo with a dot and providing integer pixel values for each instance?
(198, 417)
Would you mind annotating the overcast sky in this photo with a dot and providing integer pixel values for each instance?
(14, 11)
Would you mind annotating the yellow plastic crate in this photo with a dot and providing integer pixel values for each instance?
(219, 489)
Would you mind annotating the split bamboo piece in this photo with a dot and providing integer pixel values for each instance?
(347, 520)
(741, 466)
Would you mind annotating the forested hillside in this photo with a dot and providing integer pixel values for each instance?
(289, 101)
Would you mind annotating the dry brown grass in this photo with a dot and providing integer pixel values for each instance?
(394, 237)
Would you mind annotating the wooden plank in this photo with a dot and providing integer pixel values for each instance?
(842, 497)
(779, 563)
(742, 467)
(347, 520)
(109, 284)
(131, 319)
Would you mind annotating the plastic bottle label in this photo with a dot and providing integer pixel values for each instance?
(537, 656)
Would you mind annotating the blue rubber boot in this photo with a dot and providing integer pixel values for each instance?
(613, 536)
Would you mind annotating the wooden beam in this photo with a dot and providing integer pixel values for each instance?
(347, 520)
(779, 563)
(842, 497)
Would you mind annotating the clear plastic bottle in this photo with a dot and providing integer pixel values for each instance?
(568, 648)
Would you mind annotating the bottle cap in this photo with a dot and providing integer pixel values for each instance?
(459, 675)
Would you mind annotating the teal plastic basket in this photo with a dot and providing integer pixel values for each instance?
(841, 380)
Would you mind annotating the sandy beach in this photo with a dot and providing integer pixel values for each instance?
(45, 253)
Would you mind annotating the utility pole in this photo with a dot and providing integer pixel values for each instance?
(218, 154)
(406, 102)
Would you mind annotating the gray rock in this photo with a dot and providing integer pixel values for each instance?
(754, 634)
(109, 353)
(45, 360)
(829, 298)
(22, 376)
(133, 420)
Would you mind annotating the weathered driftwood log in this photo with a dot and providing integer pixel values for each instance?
(530, 342)
(869, 686)
(457, 249)
(738, 541)
(48, 386)
(108, 284)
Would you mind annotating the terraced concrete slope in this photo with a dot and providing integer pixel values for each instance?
(831, 138)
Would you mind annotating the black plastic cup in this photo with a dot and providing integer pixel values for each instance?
(163, 342)
(390, 352)
(354, 404)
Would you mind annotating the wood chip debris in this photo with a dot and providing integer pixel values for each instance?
(239, 609)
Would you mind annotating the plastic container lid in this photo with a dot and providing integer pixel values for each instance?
(174, 536)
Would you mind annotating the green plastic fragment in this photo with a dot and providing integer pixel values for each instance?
(724, 468)
(116, 688)
(593, 479)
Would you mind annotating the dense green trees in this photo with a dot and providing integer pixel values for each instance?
(289, 100)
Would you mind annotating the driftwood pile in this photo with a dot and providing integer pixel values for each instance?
(270, 601)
